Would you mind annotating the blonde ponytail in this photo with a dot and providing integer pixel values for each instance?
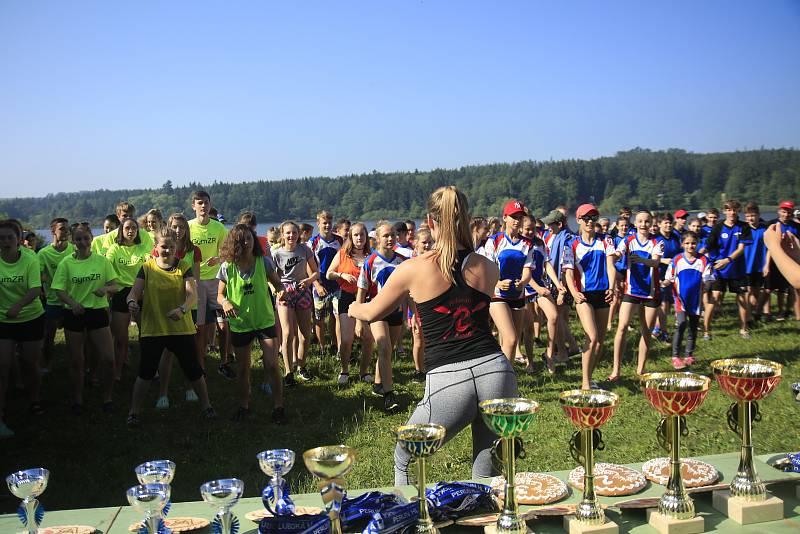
(449, 208)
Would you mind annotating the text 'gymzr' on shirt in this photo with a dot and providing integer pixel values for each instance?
(249, 293)
(687, 279)
(641, 280)
(208, 238)
(723, 241)
(104, 241)
(16, 279)
(127, 261)
(164, 290)
(324, 251)
(81, 278)
(49, 258)
(375, 272)
(511, 258)
(589, 262)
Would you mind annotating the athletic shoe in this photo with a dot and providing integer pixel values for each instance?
(594, 385)
(706, 337)
(5, 432)
(241, 414)
(418, 377)
(212, 349)
(289, 380)
(664, 337)
(133, 420)
(303, 375)
(744, 334)
(678, 363)
(191, 396)
(343, 379)
(226, 371)
(367, 378)
(689, 360)
(266, 388)
(390, 403)
(278, 415)
(36, 409)
(208, 413)
(377, 390)
(162, 403)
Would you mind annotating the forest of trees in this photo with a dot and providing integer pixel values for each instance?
(640, 177)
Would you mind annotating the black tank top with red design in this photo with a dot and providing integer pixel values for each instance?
(455, 325)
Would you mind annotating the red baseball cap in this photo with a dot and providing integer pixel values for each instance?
(585, 209)
(513, 207)
(787, 205)
(680, 214)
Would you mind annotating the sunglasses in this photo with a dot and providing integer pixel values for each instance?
(590, 218)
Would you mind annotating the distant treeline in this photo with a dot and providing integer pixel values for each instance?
(639, 177)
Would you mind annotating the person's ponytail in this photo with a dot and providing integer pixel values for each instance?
(449, 208)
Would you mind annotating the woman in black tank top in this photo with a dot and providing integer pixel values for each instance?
(464, 362)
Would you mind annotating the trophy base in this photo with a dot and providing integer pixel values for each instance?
(492, 529)
(667, 525)
(573, 526)
(747, 512)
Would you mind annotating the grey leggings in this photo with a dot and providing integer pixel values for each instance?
(452, 394)
(682, 320)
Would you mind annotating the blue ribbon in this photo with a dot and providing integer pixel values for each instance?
(284, 506)
(453, 500)
(356, 512)
(393, 519)
(298, 524)
(38, 514)
(795, 459)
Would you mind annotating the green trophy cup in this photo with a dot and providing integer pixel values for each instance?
(421, 441)
(509, 418)
(330, 463)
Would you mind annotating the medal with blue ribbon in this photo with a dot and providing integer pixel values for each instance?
(280, 505)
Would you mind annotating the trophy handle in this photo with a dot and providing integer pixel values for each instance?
(733, 416)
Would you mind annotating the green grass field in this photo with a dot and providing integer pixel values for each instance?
(91, 458)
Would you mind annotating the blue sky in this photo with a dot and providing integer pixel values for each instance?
(130, 94)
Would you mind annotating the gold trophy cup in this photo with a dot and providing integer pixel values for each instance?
(330, 463)
(509, 418)
(421, 441)
(674, 396)
(588, 409)
(746, 381)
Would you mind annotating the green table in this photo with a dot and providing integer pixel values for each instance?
(117, 520)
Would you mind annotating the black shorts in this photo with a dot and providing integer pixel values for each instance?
(182, 346)
(242, 339)
(649, 303)
(514, 304)
(345, 300)
(596, 299)
(32, 330)
(732, 285)
(394, 319)
(776, 281)
(92, 319)
(119, 302)
(755, 280)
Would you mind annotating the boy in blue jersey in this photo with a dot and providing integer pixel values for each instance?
(755, 260)
(325, 245)
(679, 220)
(726, 244)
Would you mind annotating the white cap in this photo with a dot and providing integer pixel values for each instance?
(701, 215)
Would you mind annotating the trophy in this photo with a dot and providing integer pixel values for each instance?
(275, 464)
(746, 381)
(588, 409)
(27, 485)
(156, 472)
(223, 495)
(150, 499)
(330, 463)
(421, 441)
(674, 396)
(509, 418)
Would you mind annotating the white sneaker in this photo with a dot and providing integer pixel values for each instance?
(368, 378)
(343, 379)
(5, 432)
(162, 403)
(191, 396)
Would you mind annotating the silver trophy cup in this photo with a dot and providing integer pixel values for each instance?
(27, 485)
(275, 464)
(150, 499)
(223, 495)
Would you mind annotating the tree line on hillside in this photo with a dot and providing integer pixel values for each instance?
(665, 179)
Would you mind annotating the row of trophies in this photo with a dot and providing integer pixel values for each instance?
(674, 395)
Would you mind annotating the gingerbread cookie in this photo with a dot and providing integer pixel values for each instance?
(533, 488)
(696, 474)
(257, 515)
(66, 529)
(610, 479)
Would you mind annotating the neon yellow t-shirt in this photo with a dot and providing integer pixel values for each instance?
(49, 258)
(80, 278)
(164, 290)
(111, 237)
(208, 238)
(127, 261)
(100, 244)
(16, 279)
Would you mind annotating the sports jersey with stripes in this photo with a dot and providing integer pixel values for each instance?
(376, 272)
(687, 279)
(324, 251)
(589, 262)
(641, 281)
(511, 257)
